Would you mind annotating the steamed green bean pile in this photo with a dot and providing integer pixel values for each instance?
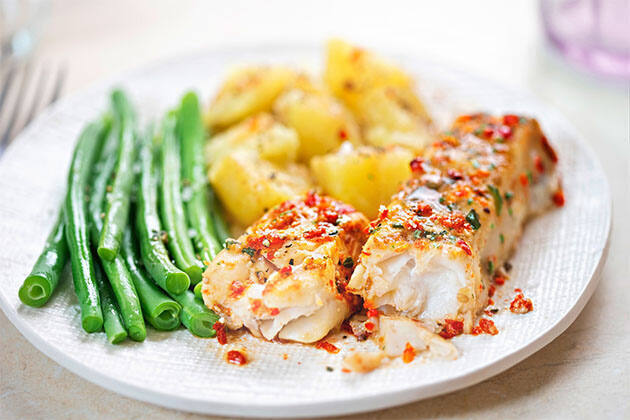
(136, 246)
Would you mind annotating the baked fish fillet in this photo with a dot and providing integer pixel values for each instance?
(286, 276)
(433, 251)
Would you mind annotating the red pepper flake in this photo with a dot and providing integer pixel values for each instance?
(220, 330)
(523, 179)
(315, 233)
(521, 305)
(452, 220)
(464, 246)
(383, 212)
(409, 353)
(517, 290)
(372, 313)
(417, 165)
(274, 311)
(558, 198)
(369, 326)
(342, 134)
(325, 345)
(236, 288)
(286, 270)
(491, 290)
(345, 370)
(463, 119)
(312, 199)
(500, 280)
(487, 132)
(490, 302)
(510, 119)
(237, 358)
(425, 210)
(451, 328)
(538, 163)
(505, 131)
(548, 149)
(486, 326)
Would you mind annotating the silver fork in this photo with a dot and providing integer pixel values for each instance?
(25, 89)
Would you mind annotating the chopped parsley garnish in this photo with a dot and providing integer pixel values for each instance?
(398, 225)
(348, 263)
(508, 195)
(417, 234)
(510, 211)
(470, 201)
(451, 206)
(473, 219)
(442, 200)
(249, 251)
(530, 177)
(501, 238)
(291, 261)
(229, 242)
(490, 267)
(498, 200)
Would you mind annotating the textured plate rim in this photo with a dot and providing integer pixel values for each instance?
(333, 406)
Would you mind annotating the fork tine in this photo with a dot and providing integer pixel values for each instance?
(6, 85)
(61, 79)
(4, 140)
(36, 99)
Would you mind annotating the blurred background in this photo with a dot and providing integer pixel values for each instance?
(572, 54)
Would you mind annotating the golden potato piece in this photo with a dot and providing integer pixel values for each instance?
(248, 186)
(261, 133)
(247, 91)
(394, 116)
(365, 177)
(350, 71)
(321, 121)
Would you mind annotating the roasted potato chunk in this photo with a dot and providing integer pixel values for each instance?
(248, 186)
(247, 91)
(380, 95)
(365, 177)
(261, 133)
(321, 121)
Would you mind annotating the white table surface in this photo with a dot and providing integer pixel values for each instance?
(584, 373)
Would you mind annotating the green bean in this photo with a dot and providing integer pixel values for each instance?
(44, 277)
(122, 284)
(161, 311)
(172, 207)
(117, 272)
(113, 325)
(220, 226)
(191, 135)
(195, 316)
(117, 212)
(197, 291)
(76, 225)
(148, 229)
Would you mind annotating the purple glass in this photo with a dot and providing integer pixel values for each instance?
(594, 34)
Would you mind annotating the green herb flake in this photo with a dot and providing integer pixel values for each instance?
(417, 234)
(491, 225)
(508, 195)
(490, 267)
(501, 238)
(473, 218)
(498, 200)
(510, 211)
(475, 164)
(530, 177)
(348, 263)
(470, 201)
(442, 200)
(249, 251)
(398, 225)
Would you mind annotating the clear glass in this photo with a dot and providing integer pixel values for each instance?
(594, 34)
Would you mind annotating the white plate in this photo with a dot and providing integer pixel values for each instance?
(556, 264)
